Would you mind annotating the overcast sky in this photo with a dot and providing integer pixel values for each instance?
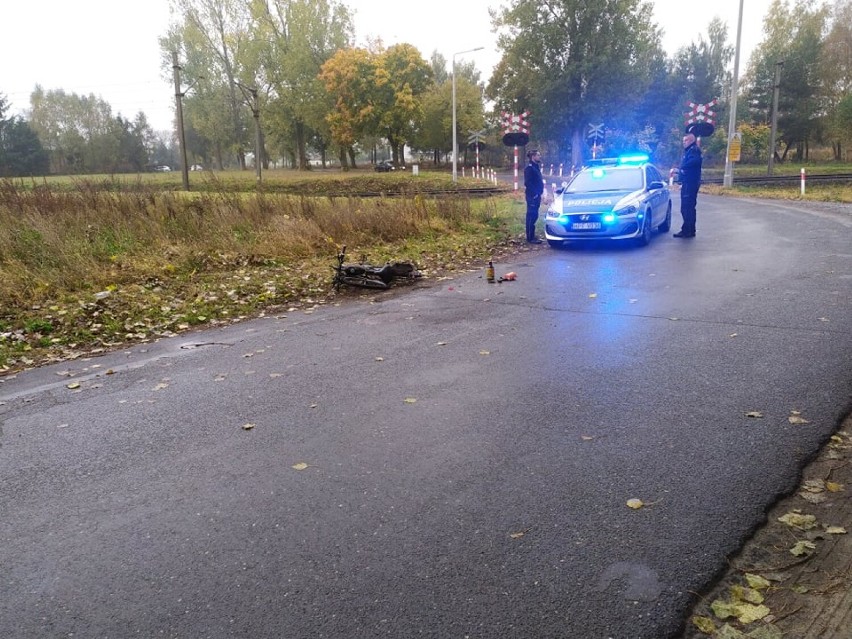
(110, 48)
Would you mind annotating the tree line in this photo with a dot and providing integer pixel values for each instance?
(291, 66)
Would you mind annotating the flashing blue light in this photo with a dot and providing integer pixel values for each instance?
(637, 158)
(609, 218)
(597, 173)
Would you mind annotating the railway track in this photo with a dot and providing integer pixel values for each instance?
(781, 180)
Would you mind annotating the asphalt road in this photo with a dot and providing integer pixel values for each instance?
(470, 448)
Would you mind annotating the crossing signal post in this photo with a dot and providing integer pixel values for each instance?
(596, 138)
(516, 132)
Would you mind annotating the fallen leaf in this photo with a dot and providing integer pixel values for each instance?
(248, 426)
(518, 535)
(704, 624)
(796, 419)
(300, 466)
(813, 498)
(749, 595)
(586, 438)
(380, 359)
(410, 400)
(814, 485)
(441, 344)
(593, 295)
(73, 385)
(635, 503)
(732, 335)
(754, 413)
(485, 352)
(833, 487)
(314, 405)
(764, 632)
(803, 548)
(798, 520)
(835, 530)
(744, 612)
(160, 386)
(756, 581)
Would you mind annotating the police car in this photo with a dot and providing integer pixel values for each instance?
(614, 199)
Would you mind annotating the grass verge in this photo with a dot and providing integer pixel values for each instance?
(85, 269)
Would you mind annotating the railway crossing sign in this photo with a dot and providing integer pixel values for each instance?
(596, 133)
(516, 128)
(701, 119)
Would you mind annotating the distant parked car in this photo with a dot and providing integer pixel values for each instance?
(162, 169)
(385, 166)
(196, 167)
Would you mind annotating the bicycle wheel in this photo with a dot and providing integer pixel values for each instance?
(365, 282)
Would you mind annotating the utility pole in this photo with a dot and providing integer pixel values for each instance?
(728, 180)
(775, 91)
(181, 134)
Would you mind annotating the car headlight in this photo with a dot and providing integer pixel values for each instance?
(630, 209)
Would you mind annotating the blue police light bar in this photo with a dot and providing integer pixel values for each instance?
(637, 158)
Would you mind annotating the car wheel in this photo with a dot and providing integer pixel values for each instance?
(647, 230)
(556, 243)
(667, 223)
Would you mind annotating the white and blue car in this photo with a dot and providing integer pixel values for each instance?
(625, 198)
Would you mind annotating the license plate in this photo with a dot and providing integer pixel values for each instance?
(585, 226)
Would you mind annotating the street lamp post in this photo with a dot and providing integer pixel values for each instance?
(455, 144)
(728, 179)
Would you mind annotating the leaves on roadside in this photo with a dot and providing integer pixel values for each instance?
(835, 530)
(704, 624)
(803, 548)
(635, 504)
(796, 418)
(743, 611)
(410, 400)
(756, 581)
(484, 352)
(73, 385)
(300, 466)
(797, 520)
(833, 487)
(749, 595)
(754, 413)
(248, 426)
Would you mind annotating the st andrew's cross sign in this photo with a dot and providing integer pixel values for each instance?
(700, 119)
(516, 128)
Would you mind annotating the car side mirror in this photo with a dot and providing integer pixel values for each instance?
(653, 186)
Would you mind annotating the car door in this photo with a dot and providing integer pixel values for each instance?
(657, 196)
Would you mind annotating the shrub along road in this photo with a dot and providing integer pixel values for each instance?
(457, 460)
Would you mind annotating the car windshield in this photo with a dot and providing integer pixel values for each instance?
(607, 178)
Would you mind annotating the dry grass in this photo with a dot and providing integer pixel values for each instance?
(87, 268)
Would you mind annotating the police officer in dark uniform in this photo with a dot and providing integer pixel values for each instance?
(534, 188)
(690, 181)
